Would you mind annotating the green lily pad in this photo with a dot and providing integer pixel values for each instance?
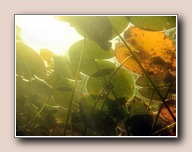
(120, 23)
(63, 68)
(103, 68)
(121, 83)
(96, 28)
(91, 52)
(154, 23)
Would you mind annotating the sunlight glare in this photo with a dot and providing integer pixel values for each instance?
(44, 31)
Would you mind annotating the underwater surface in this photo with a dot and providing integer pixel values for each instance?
(119, 79)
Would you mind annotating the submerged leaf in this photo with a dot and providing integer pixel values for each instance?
(122, 85)
(103, 68)
(96, 28)
(102, 72)
(63, 68)
(91, 51)
(120, 23)
(154, 23)
(156, 51)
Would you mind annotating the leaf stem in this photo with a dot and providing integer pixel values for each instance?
(72, 95)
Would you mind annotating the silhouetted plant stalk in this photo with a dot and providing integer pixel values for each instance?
(73, 93)
(136, 59)
(160, 107)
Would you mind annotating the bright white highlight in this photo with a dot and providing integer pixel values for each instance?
(44, 31)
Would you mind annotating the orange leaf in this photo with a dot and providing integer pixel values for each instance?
(156, 51)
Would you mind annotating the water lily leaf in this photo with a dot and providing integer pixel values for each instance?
(120, 23)
(63, 68)
(155, 51)
(122, 85)
(96, 28)
(91, 52)
(28, 62)
(103, 68)
(154, 23)
(103, 72)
